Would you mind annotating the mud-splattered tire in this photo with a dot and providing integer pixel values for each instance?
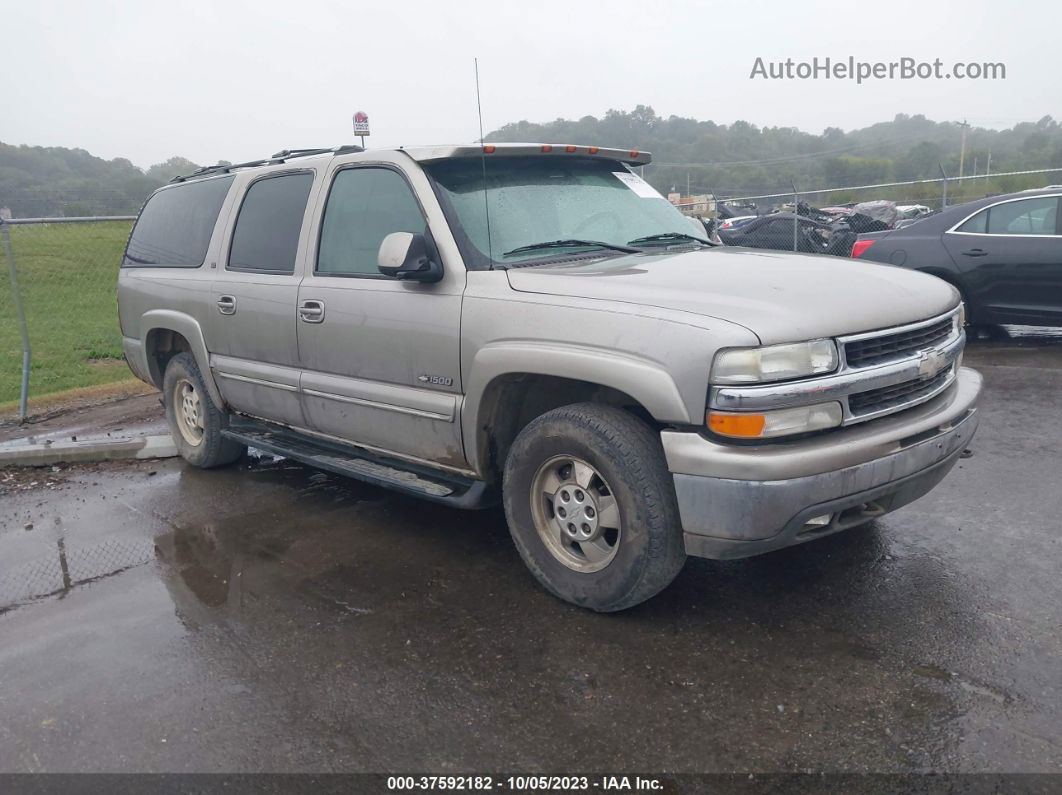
(195, 422)
(591, 507)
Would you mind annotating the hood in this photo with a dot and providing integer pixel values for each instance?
(781, 297)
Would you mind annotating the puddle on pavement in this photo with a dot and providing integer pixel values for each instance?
(314, 573)
(68, 568)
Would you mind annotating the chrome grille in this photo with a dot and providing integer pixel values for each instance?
(897, 395)
(888, 347)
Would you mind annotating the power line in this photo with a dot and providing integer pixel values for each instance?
(806, 156)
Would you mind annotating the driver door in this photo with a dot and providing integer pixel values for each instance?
(380, 357)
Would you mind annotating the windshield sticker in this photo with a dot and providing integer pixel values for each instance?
(637, 184)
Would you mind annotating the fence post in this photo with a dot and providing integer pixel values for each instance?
(16, 299)
(796, 217)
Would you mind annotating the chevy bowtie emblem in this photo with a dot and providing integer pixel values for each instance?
(931, 363)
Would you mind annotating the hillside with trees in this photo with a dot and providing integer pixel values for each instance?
(727, 160)
(743, 159)
(37, 181)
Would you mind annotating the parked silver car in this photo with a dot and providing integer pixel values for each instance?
(534, 323)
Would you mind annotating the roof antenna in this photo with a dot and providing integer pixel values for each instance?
(483, 161)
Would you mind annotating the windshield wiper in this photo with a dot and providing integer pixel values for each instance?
(572, 244)
(666, 236)
(140, 260)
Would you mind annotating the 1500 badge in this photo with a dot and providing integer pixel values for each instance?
(436, 380)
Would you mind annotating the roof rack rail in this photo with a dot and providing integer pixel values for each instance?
(285, 154)
(206, 171)
(282, 156)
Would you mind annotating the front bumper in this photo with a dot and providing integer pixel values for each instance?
(736, 501)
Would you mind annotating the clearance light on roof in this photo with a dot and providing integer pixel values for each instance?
(489, 149)
(634, 153)
(569, 148)
(593, 150)
(547, 148)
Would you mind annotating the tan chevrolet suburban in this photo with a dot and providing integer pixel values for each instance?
(534, 323)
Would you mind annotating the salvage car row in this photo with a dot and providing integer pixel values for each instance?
(1003, 253)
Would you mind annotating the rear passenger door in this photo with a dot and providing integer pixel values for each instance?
(381, 357)
(1010, 255)
(254, 345)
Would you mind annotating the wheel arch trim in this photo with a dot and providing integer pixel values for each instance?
(649, 384)
(189, 328)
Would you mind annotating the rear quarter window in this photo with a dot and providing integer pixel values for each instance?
(175, 226)
(266, 237)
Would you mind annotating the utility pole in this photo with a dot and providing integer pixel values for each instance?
(687, 185)
(962, 148)
(988, 166)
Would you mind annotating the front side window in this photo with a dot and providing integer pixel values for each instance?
(529, 200)
(266, 237)
(175, 226)
(364, 206)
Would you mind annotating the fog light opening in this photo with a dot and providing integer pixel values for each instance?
(818, 522)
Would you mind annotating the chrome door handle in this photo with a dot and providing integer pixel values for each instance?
(312, 311)
(227, 305)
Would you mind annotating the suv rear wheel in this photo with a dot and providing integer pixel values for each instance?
(591, 507)
(195, 422)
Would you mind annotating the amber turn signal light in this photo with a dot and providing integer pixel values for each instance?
(748, 426)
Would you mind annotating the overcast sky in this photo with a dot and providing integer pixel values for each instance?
(237, 79)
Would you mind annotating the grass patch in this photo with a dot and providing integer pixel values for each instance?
(67, 277)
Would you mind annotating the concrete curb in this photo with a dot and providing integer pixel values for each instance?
(44, 453)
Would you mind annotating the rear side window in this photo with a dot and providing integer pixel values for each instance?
(1025, 217)
(977, 225)
(364, 206)
(174, 227)
(266, 237)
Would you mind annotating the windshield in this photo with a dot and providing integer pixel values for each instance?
(536, 200)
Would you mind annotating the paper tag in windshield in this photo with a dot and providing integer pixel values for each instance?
(637, 184)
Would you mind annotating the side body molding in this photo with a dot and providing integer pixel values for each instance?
(189, 328)
(646, 382)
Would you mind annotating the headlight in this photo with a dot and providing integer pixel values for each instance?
(960, 318)
(774, 362)
(782, 422)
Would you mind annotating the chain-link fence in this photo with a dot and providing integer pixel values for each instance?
(828, 220)
(58, 321)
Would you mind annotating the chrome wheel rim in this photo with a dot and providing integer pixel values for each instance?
(188, 412)
(576, 514)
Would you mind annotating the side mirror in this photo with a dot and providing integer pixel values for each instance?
(404, 256)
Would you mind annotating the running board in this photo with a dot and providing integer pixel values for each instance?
(391, 473)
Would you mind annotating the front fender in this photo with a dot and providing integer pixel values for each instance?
(189, 328)
(646, 382)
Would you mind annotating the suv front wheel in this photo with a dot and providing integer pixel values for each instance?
(591, 507)
(195, 422)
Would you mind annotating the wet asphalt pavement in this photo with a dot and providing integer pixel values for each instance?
(268, 617)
